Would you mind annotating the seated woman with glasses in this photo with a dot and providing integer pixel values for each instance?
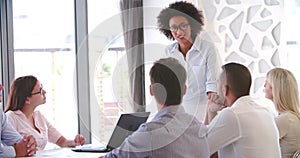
(183, 22)
(26, 93)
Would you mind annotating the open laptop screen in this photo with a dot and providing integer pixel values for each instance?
(127, 124)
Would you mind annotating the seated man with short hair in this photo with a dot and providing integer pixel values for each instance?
(172, 133)
(242, 128)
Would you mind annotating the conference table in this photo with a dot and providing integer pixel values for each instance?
(66, 152)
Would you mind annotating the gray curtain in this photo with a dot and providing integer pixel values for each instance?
(132, 21)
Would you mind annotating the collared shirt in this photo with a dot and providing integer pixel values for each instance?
(203, 65)
(289, 133)
(245, 129)
(8, 136)
(172, 133)
(46, 131)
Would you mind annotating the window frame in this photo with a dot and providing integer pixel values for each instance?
(6, 47)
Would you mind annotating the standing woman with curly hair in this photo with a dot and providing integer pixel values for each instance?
(281, 87)
(183, 22)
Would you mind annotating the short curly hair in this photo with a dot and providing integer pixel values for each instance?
(182, 8)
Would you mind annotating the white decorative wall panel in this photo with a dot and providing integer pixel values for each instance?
(247, 32)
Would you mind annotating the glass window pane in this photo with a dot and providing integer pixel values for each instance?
(108, 68)
(155, 43)
(291, 34)
(44, 47)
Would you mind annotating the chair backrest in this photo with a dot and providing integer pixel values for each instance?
(297, 154)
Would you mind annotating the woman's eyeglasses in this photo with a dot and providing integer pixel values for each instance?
(38, 92)
(182, 27)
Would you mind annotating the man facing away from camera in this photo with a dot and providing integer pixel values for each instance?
(172, 133)
(241, 128)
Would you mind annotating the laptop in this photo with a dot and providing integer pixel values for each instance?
(126, 125)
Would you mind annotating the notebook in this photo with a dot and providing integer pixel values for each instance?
(126, 125)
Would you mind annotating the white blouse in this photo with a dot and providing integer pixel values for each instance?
(203, 66)
(46, 131)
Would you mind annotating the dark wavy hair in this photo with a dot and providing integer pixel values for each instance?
(20, 89)
(188, 10)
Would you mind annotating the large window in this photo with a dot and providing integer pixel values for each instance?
(291, 33)
(44, 47)
(155, 43)
(108, 68)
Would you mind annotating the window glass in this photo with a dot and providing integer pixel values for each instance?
(44, 47)
(291, 33)
(155, 44)
(108, 68)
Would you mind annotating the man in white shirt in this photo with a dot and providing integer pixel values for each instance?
(242, 128)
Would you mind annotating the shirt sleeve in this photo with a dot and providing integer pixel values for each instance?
(282, 123)
(136, 145)
(53, 133)
(213, 69)
(7, 151)
(220, 131)
(8, 136)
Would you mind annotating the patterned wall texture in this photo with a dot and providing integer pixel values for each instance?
(248, 32)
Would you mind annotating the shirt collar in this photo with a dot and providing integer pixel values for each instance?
(241, 100)
(173, 109)
(18, 112)
(174, 47)
(196, 45)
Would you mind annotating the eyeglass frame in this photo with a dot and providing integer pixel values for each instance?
(38, 92)
(182, 27)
